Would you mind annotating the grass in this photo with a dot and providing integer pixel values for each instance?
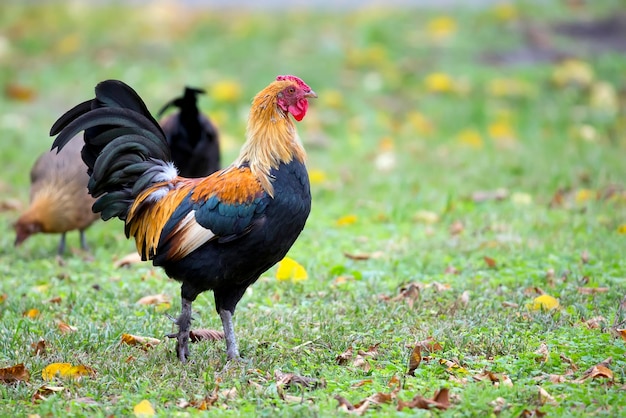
(417, 217)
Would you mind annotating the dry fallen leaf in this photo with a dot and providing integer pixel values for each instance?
(39, 348)
(496, 379)
(599, 371)
(542, 353)
(345, 405)
(290, 379)
(491, 263)
(344, 357)
(440, 400)
(66, 328)
(363, 256)
(31, 313)
(144, 342)
(128, 260)
(569, 361)
(544, 302)
(592, 290)
(595, 322)
(154, 299)
(465, 298)
(410, 293)
(43, 392)
(545, 397)
(14, 374)
(196, 335)
(415, 359)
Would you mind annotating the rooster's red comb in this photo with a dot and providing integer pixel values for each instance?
(295, 79)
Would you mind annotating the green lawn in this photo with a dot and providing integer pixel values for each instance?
(481, 185)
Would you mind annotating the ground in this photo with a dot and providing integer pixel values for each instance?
(467, 233)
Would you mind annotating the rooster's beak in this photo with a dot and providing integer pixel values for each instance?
(311, 94)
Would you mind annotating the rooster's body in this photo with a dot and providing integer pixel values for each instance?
(59, 200)
(193, 140)
(215, 233)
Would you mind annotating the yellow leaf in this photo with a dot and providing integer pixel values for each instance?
(544, 302)
(146, 342)
(226, 91)
(317, 176)
(144, 409)
(65, 370)
(32, 313)
(290, 269)
(347, 220)
(583, 195)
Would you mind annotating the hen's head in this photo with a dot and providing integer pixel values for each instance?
(292, 94)
(25, 228)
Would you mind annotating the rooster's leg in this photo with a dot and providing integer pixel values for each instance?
(232, 352)
(83, 240)
(184, 325)
(61, 249)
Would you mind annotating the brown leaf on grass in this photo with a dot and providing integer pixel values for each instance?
(361, 359)
(31, 313)
(144, 342)
(592, 290)
(43, 392)
(362, 383)
(66, 328)
(346, 406)
(441, 287)
(343, 358)
(595, 322)
(202, 334)
(415, 359)
(19, 92)
(14, 374)
(599, 371)
(10, 205)
(542, 353)
(363, 256)
(451, 270)
(3, 297)
(510, 305)
(290, 379)
(584, 257)
(569, 361)
(128, 260)
(498, 405)
(535, 290)
(39, 348)
(410, 293)
(527, 413)
(545, 397)
(621, 332)
(486, 195)
(154, 299)
(456, 228)
(491, 263)
(465, 298)
(55, 300)
(440, 400)
(430, 345)
(496, 379)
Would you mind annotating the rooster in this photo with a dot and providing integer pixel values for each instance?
(219, 232)
(193, 139)
(59, 200)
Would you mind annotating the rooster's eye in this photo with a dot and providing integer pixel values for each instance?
(291, 90)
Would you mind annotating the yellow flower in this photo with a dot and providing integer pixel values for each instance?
(144, 409)
(471, 138)
(317, 176)
(621, 229)
(290, 269)
(505, 11)
(501, 129)
(420, 123)
(347, 220)
(583, 195)
(439, 83)
(332, 99)
(226, 91)
(441, 28)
